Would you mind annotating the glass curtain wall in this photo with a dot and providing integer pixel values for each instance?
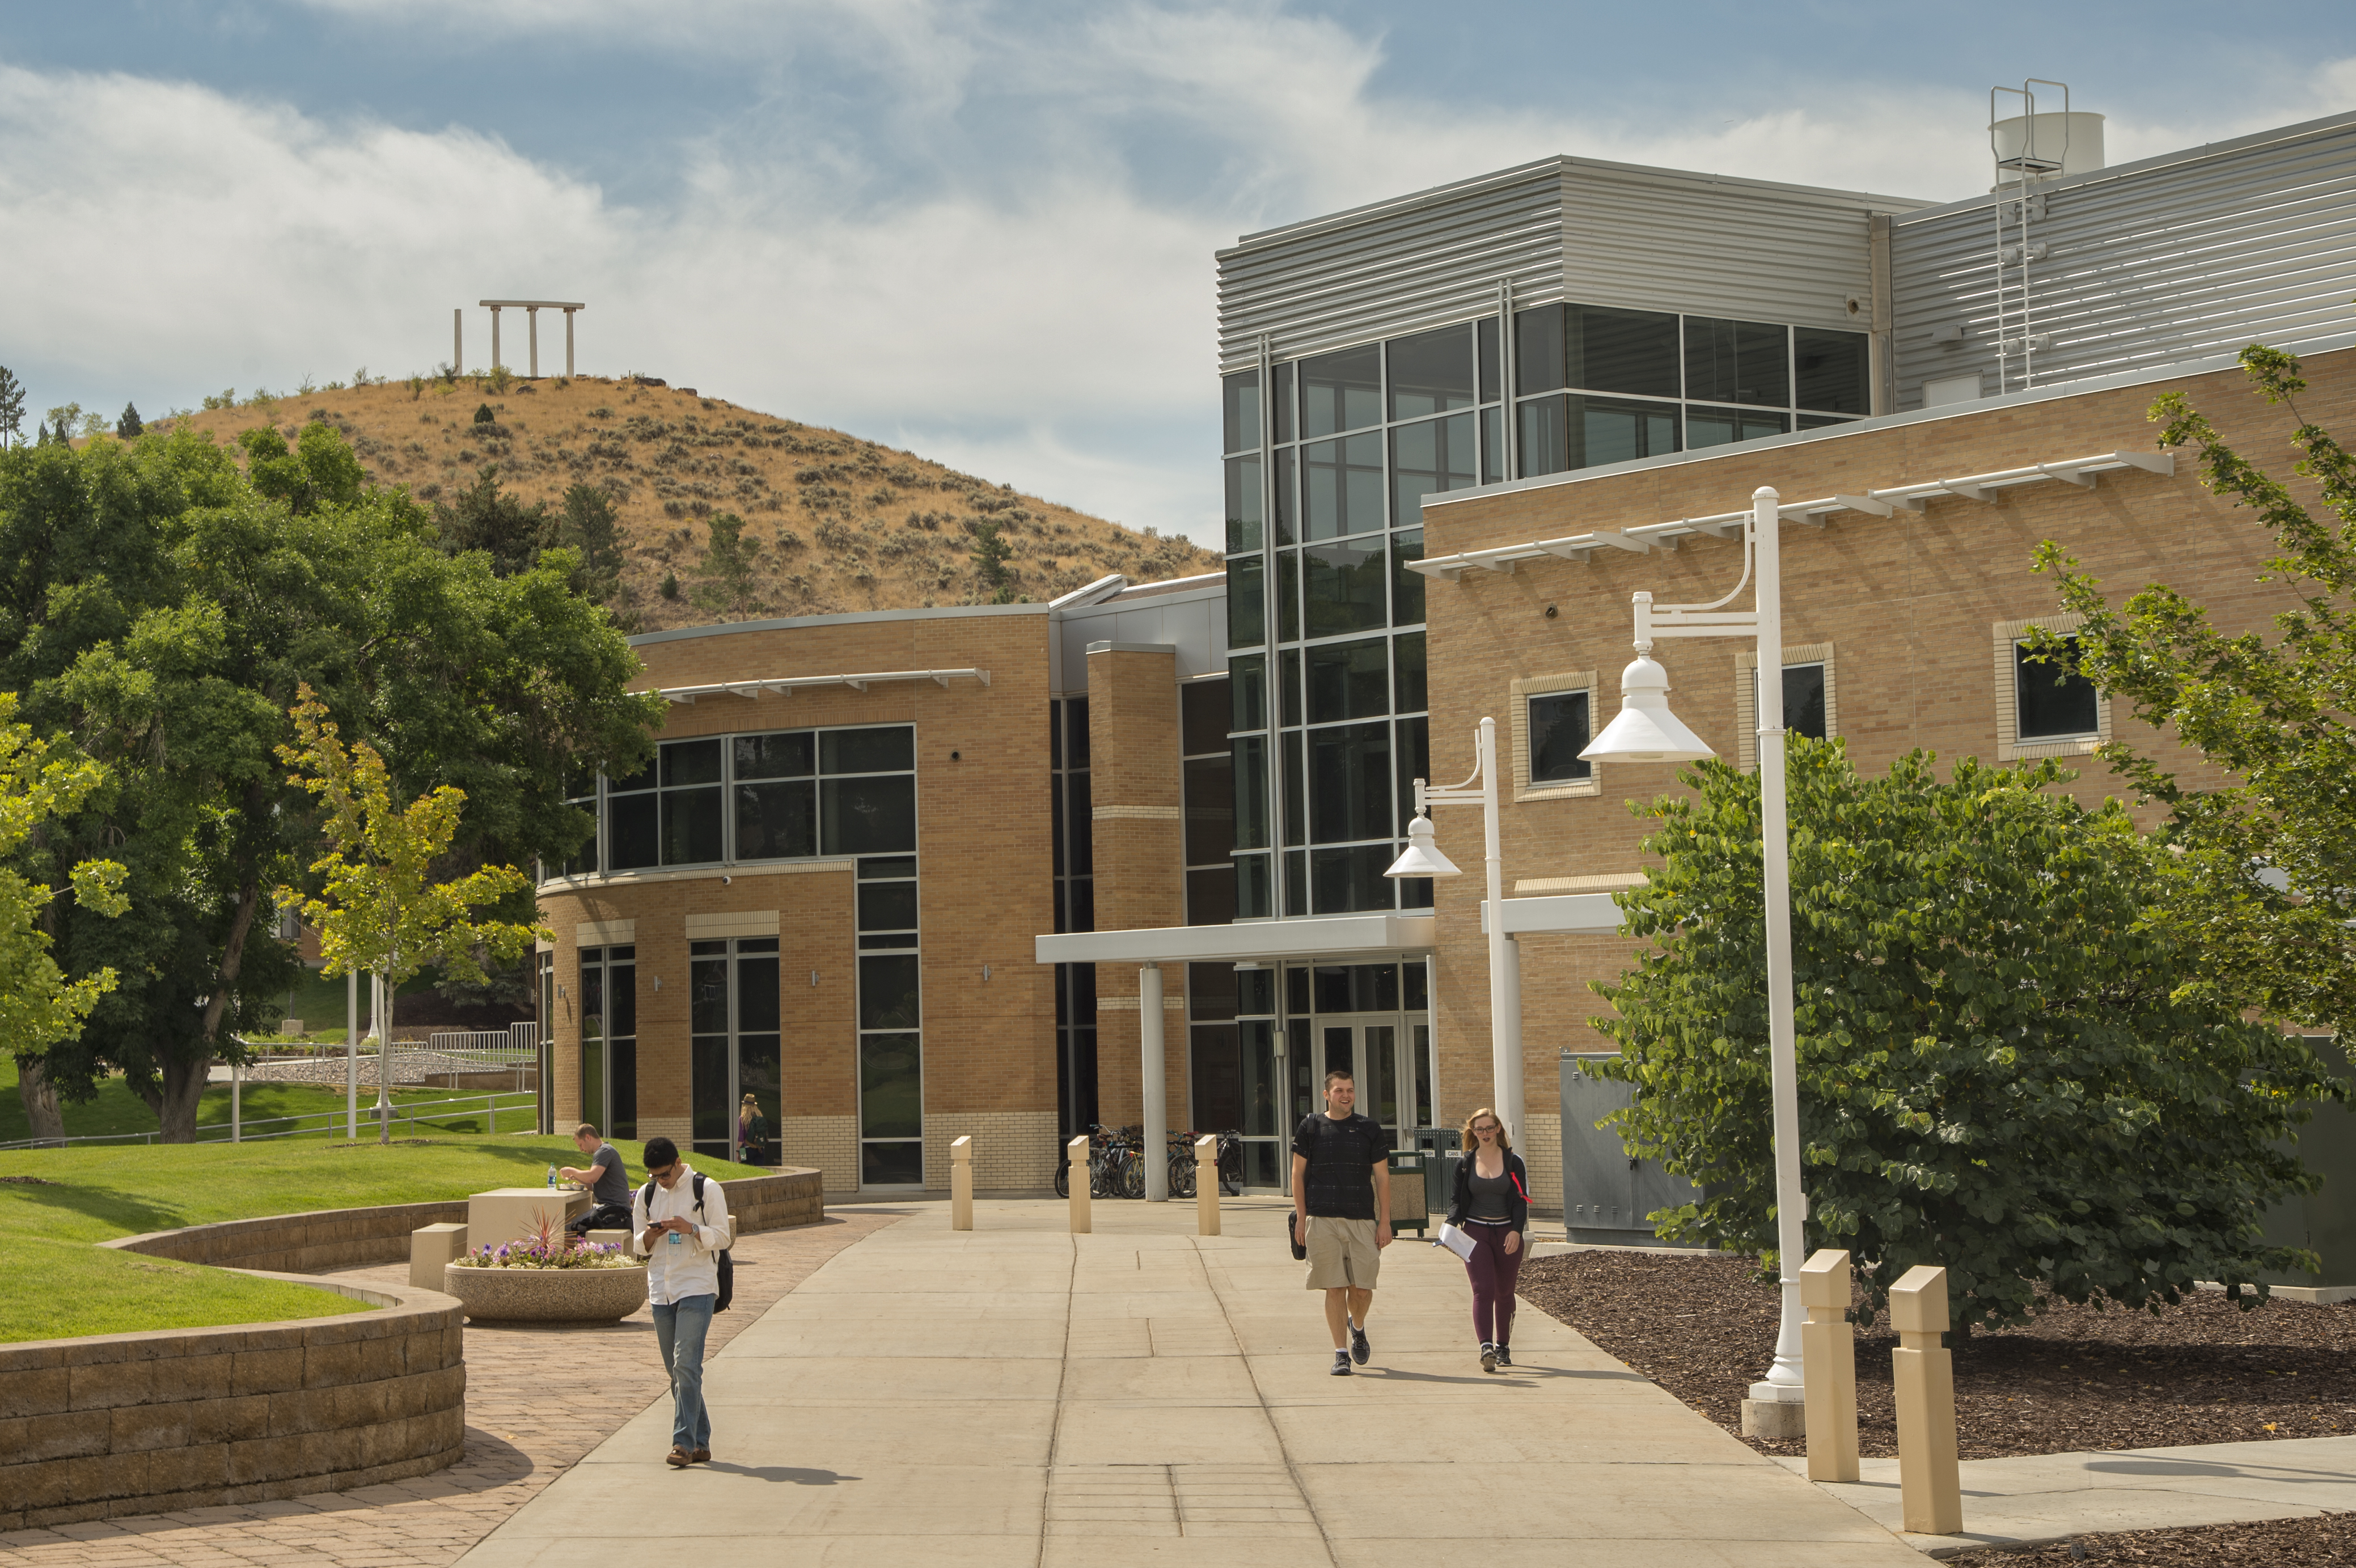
(1327, 461)
(1208, 781)
(733, 1039)
(1257, 1092)
(1073, 863)
(609, 1039)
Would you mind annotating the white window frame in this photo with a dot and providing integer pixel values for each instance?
(1746, 696)
(1556, 685)
(2008, 637)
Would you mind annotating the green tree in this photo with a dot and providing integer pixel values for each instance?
(587, 525)
(129, 426)
(12, 409)
(2262, 881)
(381, 908)
(318, 470)
(1997, 1073)
(487, 518)
(727, 568)
(40, 779)
(990, 555)
(158, 609)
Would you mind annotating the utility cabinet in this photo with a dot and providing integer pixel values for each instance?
(2323, 1221)
(1606, 1194)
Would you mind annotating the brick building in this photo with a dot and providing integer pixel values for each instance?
(1460, 428)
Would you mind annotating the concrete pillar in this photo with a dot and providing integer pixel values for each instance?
(532, 333)
(1150, 1058)
(457, 339)
(1206, 1184)
(568, 345)
(1076, 1154)
(961, 1184)
(1828, 1357)
(1922, 1373)
(494, 337)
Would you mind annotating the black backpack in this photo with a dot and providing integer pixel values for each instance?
(727, 1263)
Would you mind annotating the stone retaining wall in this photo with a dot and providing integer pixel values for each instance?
(358, 1238)
(127, 1423)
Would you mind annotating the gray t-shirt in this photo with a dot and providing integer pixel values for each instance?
(611, 1186)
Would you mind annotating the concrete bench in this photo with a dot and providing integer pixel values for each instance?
(431, 1247)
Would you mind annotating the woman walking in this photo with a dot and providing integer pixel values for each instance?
(1492, 1206)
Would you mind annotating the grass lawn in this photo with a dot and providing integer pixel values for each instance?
(117, 1110)
(82, 1196)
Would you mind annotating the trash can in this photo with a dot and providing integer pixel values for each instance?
(1410, 1190)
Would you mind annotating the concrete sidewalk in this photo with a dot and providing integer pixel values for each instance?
(2051, 1496)
(1018, 1395)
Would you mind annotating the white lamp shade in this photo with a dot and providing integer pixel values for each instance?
(1422, 856)
(1645, 730)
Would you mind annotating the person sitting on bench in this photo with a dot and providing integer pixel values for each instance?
(609, 1188)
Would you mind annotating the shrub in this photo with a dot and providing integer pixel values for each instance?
(483, 415)
(1996, 1071)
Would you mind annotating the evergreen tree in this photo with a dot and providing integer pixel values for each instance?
(587, 525)
(12, 408)
(487, 518)
(129, 426)
(990, 555)
(727, 568)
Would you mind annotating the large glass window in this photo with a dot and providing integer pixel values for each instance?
(1738, 362)
(1559, 730)
(1243, 504)
(1431, 372)
(1343, 587)
(1590, 349)
(1569, 431)
(1349, 680)
(1436, 454)
(1830, 371)
(1247, 605)
(608, 1011)
(891, 1016)
(1342, 391)
(1716, 427)
(735, 1047)
(1208, 781)
(1341, 485)
(1350, 782)
(1240, 409)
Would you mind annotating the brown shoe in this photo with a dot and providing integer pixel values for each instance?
(678, 1459)
(700, 1456)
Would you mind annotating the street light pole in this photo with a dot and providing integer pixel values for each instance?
(1646, 731)
(1423, 859)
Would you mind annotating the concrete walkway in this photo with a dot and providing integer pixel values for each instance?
(1018, 1395)
(2051, 1497)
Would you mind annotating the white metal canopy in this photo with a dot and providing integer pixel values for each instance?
(1880, 503)
(753, 689)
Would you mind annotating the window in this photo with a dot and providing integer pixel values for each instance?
(733, 1041)
(609, 1039)
(891, 1015)
(2044, 707)
(1208, 780)
(1560, 434)
(1243, 504)
(1431, 372)
(1434, 456)
(1810, 698)
(1239, 409)
(1738, 362)
(1830, 371)
(1716, 427)
(1342, 486)
(1342, 391)
(1553, 720)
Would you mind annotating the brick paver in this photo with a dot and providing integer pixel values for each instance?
(537, 1401)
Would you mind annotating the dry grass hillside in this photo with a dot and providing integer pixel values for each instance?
(842, 524)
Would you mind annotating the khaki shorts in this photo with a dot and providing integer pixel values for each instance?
(1343, 1252)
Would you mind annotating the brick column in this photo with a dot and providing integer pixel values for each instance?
(1134, 750)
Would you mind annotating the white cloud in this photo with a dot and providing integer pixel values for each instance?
(1021, 293)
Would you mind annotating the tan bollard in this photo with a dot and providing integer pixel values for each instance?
(1931, 1491)
(961, 1184)
(1076, 1152)
(1828, 1355)
(1207, 1185)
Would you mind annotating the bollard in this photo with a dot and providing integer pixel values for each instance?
(961, 1184)
(1828, 1355)
(1207, 1185)
(1923, 1375)
(1076, 1152)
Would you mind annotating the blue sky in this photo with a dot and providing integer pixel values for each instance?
(983, 233)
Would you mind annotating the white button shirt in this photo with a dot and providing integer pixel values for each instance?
(681, 1265)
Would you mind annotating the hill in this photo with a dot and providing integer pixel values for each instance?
(841, 524)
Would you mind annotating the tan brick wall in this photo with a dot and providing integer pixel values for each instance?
(1012, 1150)
(1908, 601)
(1137, 790)
(984, 866)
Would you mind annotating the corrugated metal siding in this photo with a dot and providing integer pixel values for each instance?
(2144, 266)
(1563, 228)
(1682, 243)
(1394, 268)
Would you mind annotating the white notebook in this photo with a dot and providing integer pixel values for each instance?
(1455, 1240)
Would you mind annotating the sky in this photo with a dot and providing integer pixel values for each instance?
(983, 232)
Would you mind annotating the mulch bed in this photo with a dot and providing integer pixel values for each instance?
(2075, 1379)
(2325, 1543)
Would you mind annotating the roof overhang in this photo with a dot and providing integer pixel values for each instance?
(1562, 914)
(1347, 938)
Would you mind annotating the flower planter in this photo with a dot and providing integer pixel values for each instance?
(546, 1295)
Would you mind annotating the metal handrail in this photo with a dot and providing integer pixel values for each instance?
(222, 1133)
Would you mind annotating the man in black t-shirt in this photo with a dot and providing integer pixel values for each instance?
(1342, 1207)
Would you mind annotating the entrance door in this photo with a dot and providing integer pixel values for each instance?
(1368, 1049)
(734, 1041)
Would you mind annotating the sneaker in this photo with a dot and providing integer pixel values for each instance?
(1488, 1358)
(1359, 1349)
(1504, 1357)
(678, 1459)
(700, 1456)
(1341, 1368)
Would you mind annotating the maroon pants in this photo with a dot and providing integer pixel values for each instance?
(1494, 1272)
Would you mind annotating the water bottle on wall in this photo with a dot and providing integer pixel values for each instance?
(551, 1175)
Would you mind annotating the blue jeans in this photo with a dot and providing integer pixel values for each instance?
(680, 1328)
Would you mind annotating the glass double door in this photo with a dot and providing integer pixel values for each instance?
(733, 1042)
(1382, 1055)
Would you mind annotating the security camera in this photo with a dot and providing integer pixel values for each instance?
(725, 882)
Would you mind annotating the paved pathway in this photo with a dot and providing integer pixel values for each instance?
(537, 1400)
(1016, 1395)
(2051, 1496)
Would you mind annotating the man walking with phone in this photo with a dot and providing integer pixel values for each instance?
(1341, 1209)
(682, 1232)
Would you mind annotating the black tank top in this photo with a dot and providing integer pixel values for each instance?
(1491, 1196)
